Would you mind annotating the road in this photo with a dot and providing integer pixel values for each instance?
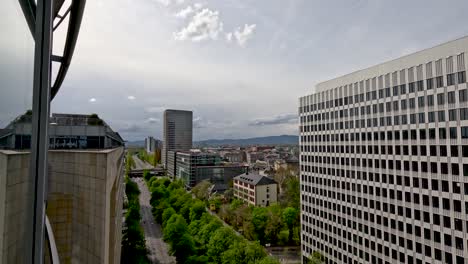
(158, 249)
(140, 165)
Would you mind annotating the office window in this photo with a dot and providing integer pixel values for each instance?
(451, 97)
(463, 113)
(420, 85)
(442, 133)
(430, 100)
(462, 77)
(450, 79)
(453, 115)
(439, 81)
(441, 116)
(453, 132)
(403, 89)
(440, 99)
(430, 83)
(464, 132)
(431, 117)
(421, 102)
(463, 95)
(411, 87)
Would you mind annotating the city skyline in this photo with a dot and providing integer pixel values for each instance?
(293, 46)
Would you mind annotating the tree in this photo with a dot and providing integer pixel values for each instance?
(220, 242)
(290, 218)
(292, 192)
(259, 221)
(201, 190)
(274, 223)
(316, 258)
(176, 235)
(167, 214)
(198, 208)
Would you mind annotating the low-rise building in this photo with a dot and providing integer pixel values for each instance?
(195, 166)
(252, 157)
(255, 189)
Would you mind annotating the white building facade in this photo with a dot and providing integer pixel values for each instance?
(384, 162)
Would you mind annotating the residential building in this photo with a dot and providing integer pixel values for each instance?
(252, 157)
(84, 193)
(234, 156)
(195, 166)
(255, 189)
(177, 132)
(384, 161)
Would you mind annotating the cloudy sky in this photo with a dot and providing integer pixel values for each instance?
(240, 65)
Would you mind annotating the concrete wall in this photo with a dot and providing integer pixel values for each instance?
(85, 204)
(261, 194)
(15, 205)
(85, 191)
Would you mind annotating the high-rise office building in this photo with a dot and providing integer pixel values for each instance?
(152, 144)
(384, 162)
(177, 132)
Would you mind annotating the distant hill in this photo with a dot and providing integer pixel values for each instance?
(272, 140)
(137, 143)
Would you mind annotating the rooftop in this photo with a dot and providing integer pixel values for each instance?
(255, 179)
(420, 57)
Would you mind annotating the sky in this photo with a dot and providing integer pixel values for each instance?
(239, 65)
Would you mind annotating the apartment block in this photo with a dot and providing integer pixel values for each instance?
(384, 162)
(255, 189)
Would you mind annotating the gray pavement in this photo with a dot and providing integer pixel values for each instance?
(158, 249)
(140, 165)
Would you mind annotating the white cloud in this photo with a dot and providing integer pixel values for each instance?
(152, 120)
(198, 6)
(164, 2)
(131, 97)
(229, 37)
(204, 25)
(184, 13)
(92, 100)
(242, 36)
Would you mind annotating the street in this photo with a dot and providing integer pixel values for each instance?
(158, 249)
(140, 165)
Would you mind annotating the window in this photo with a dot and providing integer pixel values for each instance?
(403, 89)
(463, 95)
(395, 90)
(430, 100)
(439, 81)
(421, 102)
(451, 97)
(453, 132)
(403, 104)
(464, 132)
(441, 116)
(411, 87)
(441, 99)
(461, 77)
(431, 117)
(412, 103)
(442, 133)
(450, 79)
(453, 115)
(430, 83)
(420, 85)
(463, 113)
(421, 117)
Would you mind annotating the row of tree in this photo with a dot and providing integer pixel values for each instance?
(152, 158)
(133, 239)
(193, 234)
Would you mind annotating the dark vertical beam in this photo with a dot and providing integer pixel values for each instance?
(40, 123)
